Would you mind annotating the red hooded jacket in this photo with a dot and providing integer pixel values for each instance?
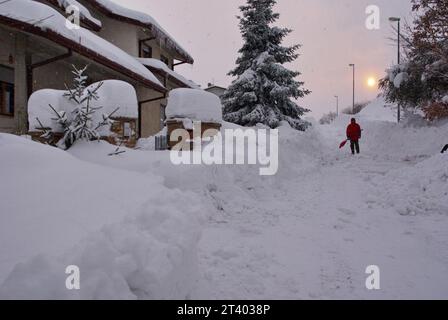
(353, 131)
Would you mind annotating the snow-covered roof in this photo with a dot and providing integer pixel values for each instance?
(85, 14)
(159, 66)
(194, 104)
(114, 10)
(40, 19)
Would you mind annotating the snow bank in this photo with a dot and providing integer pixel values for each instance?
(113, 94)
(195, 105)
(32, 12)
(130, 236)
(379, 110)
(157, 64)
(421, 189)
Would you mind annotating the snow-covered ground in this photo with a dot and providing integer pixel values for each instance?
(140, 227)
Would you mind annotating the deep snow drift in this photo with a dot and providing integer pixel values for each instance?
(132, 222)
(131, 236)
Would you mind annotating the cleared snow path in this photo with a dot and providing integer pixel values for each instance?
(312, 234)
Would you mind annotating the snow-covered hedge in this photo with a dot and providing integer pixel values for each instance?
(194, 104)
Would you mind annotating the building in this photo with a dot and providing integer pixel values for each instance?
(219, 91)
(38, 49)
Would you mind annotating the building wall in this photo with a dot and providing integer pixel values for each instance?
(216, 91)
(150, 112)
(123, 35)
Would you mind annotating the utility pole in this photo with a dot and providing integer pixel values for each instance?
(398, 20)
(353, 65)
(337, 105)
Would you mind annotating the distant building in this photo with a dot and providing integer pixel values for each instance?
(219, 91)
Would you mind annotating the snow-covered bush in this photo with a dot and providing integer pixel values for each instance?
(328, 118)
(436, 111)
(78, 124)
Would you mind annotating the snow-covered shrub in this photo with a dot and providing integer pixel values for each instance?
(328, 118)
(436, 111)
(79, 123)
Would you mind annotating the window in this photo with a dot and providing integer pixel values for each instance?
(6, 98)
(165, 60)
(162, 115)
(6, 91)
(145, 51)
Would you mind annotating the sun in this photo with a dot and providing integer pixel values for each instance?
(371, 82)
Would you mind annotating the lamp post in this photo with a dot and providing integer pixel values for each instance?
(353, 65)
(337, 105)
(398, 20)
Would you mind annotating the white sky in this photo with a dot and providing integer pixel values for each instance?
(332, 32)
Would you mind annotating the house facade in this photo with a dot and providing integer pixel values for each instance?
(38, 51)
(216, 90)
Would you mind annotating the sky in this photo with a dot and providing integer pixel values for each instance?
(332, 33)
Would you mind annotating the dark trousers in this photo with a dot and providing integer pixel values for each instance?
(354, 145)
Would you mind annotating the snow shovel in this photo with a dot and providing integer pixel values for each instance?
(342, 145)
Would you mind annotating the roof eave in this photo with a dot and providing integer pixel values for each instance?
(80, 49)
(185, 57)
(87, 22)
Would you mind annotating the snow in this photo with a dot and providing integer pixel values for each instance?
(143, 18)
(379, 110)
(157, 64)
(194, 104)
(400, 78)
(47, 18)
(445, 99)
(84, 12)
(113, 94)
(141, 227)
(130, 236)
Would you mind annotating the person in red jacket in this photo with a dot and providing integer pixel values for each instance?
(354, 134)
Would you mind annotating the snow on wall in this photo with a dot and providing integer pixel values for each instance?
(47, 18)
(195, 105)
(84, 12)
(157, 64)
(113, 94)
(146, 19)
(130, 236)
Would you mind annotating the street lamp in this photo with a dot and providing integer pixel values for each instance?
(337, 105)
(353, 65)
(398, 20)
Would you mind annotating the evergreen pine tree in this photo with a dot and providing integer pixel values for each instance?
(264, 89)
